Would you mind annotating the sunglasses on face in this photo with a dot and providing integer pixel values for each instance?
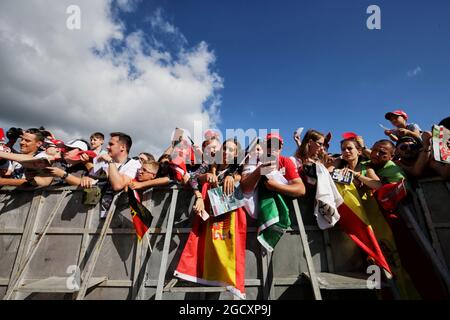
(143, 170)
(407, 146)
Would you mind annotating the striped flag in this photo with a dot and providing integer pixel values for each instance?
(273, 218)
(355, 223)
(142, 217)
(214, 253)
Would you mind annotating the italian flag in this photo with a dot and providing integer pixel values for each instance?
(273, 218)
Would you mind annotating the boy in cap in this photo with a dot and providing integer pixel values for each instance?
(72, 166)
(399, 118)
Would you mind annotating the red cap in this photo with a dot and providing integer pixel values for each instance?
(327, 139)
(58, 143)
(90, 153)
(402, 113)
(2, 135)
(274, 136)
(349, 135)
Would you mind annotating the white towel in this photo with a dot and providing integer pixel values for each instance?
(328, 199)
(251, 198)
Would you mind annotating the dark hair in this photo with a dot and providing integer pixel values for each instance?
(165, 157)
(148, 155)
(37, 132)
(124, 139)
(445, 122)
(164, 166)
(238, 151)
(357, 146)
(98, 135)
(385, 141)
(46, 133)
(414, 140)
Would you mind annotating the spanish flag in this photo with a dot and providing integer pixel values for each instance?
(355, 223)
(214, 253)
(142, 218)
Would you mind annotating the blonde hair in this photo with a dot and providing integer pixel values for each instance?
(154, 166)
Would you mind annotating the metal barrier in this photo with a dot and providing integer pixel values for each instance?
(127, 269)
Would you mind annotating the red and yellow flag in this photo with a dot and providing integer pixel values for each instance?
(142, 218)
(355, 223)
(215, 251)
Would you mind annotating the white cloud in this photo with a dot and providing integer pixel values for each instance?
(51, 76)
(127, 5)
(415, 72)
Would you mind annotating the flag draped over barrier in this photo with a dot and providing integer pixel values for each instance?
(355, 223)
(414, 259)
(273, 218)
(142, 217)
(387, 242)
(214, 253)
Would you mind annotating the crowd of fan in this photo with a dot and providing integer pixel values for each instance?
(407, 153)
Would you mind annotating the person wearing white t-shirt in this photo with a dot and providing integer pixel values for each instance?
(120, 169)
(117, 165)
(31, 141)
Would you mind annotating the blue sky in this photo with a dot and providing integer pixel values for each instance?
(314, 64)
(284, 64)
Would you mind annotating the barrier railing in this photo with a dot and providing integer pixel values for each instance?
(125, 268)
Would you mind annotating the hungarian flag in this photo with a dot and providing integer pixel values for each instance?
(214, 253)
(355, 223)
(273, 218)
(142, 218)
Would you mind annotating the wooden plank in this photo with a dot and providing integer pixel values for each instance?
(435, 240)
(435, 259)
(137, 266)
(25, 241)
(333, 281)
(85, 238)
(140, 287)
(267, 286)
(56, 284)
(328, 251)
(89, 270)
(307, 252)
(11, 231)
(165, 253)
(36, 243)
(196, 289)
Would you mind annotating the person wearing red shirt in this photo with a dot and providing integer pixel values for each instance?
(294, 186)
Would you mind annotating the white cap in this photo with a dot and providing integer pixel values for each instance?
(77, 143)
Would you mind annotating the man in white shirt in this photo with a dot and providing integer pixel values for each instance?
(96, 141)
(30, 143)
(120, 169)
